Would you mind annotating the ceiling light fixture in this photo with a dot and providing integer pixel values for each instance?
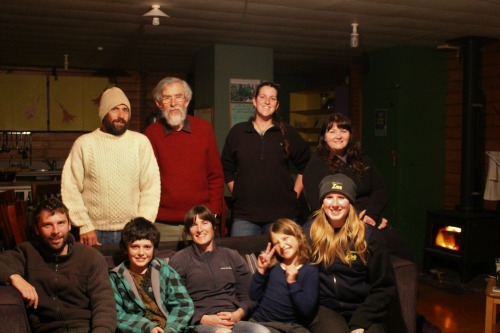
(354, 35)
(156, 13)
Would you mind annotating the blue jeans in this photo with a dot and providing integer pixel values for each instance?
(108, 237)
(240, 327)
(242, 227)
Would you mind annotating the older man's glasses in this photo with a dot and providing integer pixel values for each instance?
(168, 99)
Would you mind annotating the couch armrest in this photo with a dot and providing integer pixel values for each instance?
(403, 311)
(12, 311)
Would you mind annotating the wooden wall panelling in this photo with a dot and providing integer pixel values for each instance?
(491, 88)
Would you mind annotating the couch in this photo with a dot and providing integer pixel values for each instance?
(402, 311)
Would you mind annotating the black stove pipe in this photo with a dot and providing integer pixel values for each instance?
(473, 127)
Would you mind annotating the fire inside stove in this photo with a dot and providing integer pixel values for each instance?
(449, 238)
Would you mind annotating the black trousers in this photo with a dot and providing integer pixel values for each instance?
(329, 321)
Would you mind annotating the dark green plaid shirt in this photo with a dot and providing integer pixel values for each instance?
(170, 295)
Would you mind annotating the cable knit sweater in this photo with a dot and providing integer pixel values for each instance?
(108, 180)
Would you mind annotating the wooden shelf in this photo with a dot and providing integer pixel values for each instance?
(307, 115)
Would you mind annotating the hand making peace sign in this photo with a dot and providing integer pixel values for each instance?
(265, 258)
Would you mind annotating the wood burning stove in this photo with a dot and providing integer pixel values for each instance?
(465, 242)
(467, 237)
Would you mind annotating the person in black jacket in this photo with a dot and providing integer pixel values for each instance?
(256, 161)
(64, 284)
(356, 276)
(337, 152)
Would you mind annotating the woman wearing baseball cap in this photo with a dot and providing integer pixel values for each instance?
(356, 276)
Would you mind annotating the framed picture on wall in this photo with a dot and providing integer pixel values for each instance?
(241, 92)
(205, 113)
(381, 122)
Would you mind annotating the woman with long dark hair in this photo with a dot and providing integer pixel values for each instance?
(337, 152)
(256, 160)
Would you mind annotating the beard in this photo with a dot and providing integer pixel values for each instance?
(56, 249)
(115, 127)
(174, 119)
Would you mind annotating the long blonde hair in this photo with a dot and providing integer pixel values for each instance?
(328, 244)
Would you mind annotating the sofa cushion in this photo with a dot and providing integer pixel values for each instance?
(251, 260)
(13, 311)
(244, 245)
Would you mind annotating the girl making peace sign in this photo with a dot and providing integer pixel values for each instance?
(285, 284)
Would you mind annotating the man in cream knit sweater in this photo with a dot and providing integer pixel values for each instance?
(111, 175)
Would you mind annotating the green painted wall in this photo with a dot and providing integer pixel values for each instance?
(215, 66)
(410, 84)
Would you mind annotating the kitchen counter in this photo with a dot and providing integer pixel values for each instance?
(37, 175)
(23, 188)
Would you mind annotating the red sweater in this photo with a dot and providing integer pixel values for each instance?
(190, 168)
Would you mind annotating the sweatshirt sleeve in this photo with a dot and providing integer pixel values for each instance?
(12, 262)
(101, 297)
(299, 149)
(304, 293)
(243, 280)
(383, 285)
(228, 159)
(178, 304)
(379, 195)
(149, 182)
(72, 177)
(258, 285)
(215, 175)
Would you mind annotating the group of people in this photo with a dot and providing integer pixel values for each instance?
(119, 186)
(334, 273)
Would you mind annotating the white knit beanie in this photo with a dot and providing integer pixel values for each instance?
(111, 98)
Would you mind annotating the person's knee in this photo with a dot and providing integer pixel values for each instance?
(223, 330)
(326, 319)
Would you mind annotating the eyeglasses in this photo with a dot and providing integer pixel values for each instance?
(179, 98)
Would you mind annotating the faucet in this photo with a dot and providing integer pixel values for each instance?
(51, 164)
(12, 162)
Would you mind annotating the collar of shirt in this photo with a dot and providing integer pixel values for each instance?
(250, 129)
(168, 129)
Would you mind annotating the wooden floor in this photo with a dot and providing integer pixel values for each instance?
(450, 312)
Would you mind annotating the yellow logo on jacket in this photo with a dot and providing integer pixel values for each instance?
(351, 256)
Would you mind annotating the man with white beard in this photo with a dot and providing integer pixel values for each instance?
(188, 157)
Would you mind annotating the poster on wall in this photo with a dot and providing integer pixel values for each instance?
(241, 94)
(23, 102)
(74, 102)
(381, 122)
